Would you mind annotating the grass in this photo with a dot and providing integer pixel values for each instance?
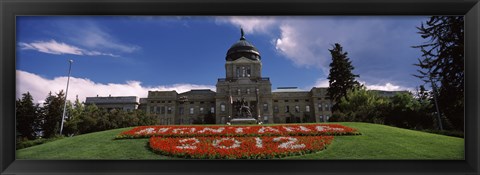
(376, 142)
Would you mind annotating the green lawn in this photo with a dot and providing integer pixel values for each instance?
(376, 142)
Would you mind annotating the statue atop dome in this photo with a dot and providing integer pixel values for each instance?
(243, 34)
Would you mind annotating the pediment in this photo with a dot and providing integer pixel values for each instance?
(244, 60)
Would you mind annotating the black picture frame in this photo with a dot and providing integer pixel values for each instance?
(11, 8)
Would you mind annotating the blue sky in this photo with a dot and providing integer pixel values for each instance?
(129, 55)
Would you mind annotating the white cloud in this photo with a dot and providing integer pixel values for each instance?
(39, 87)
(59, 48)
(388, 86)
(322, 82)
(250, 24)
(92, 36)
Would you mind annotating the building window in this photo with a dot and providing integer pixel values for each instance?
(327, 106)
(163, 109)
(275, 101)
(287, 109)
(296, 100)
(169, 110)
(237, 72)
(326, 118)
(321, 118)
(222, 107)
(152, 109)
(158, 110)
(286, 100)
(212, 110)
(320, 107)
(297, 109)
(243, 72)
(201, 110)
(248, 71)
(180, 110)
(191, 102)
(248, 91)
(307, 108)
(238, 91)
(275, 109)
(192, 111)
(265, 107)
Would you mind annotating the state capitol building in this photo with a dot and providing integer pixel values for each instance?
(243, 80)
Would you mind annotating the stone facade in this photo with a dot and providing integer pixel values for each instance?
(126, 103)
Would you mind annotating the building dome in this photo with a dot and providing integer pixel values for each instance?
(242, 48)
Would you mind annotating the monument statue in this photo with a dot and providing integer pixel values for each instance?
(243, 113)
(244, 109)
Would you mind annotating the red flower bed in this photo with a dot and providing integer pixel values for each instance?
(239, 147)
(205, 131)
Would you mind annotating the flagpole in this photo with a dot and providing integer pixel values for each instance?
(66, 93)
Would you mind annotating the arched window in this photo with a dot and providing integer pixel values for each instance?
(222, 107)
(244, 72)
(307, 108)
(297, 109)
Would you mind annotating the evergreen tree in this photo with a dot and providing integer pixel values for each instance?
(341, 79)
(52, 111)
(27, 117)
(443, 64)
(74, 116)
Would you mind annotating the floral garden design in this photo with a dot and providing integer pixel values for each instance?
(238, 142)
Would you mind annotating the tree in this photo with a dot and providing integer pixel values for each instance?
(361, 105)
(88, 119)
(408, 112)
(74, 117)
(341, 79)
(443, 64)
(27, 117)
(52, 112)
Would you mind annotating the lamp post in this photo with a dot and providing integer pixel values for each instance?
(66, 93)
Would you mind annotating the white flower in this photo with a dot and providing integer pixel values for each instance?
(240, 129)
(303, 128)
(162, 130)
(268, 128)
(146, 131)
(325, 128)
(258, 143)
(219, 130)
(236, 143)
(181, 130)
(187, 145)
(320, 128)
(290, 144)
